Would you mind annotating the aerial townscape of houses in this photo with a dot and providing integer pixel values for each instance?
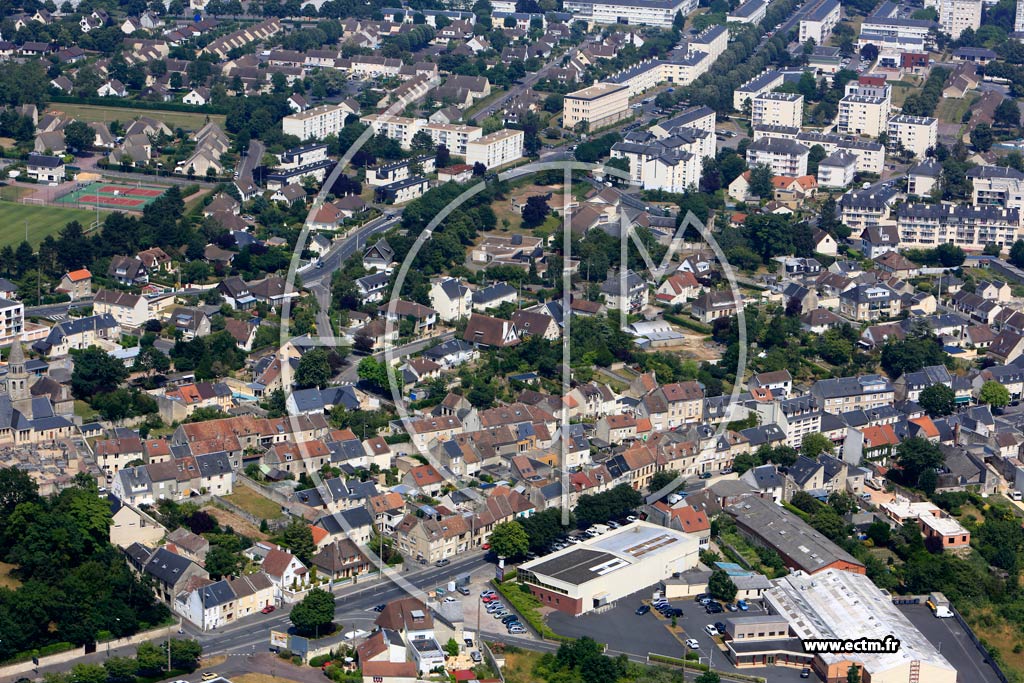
(837, 192)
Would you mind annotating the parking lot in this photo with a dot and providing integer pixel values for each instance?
(953, 642)
(626, 632)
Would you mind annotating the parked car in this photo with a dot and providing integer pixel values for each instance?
(209, 676)
(642, 610)
(720, 626)
(742, 604)
(711, 630)
(631, 518)
(444, 563)
(487, 592)
(476, 656)
(731, 607)
(805, 673)
(705, 475)
(713, 608)
(703, 598)
(509, 619)
(692, 643)
(268, 609)
(464, 590)
(380, 608)
(500, 613)
(517, 630)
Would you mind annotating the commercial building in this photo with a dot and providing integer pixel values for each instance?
(968, 227)
(786, 157)
(916, 134)
(318, 122)
(659, 13)
(497, 149)
(838, 605)
(598, 105)
(820, 21)
(597, 572)
(777, 109)
(800, 546)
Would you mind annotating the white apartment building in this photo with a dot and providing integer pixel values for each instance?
(863, 115)
(777, 109)
(667, 164)
(598, 105)
(870, 154)
(837, 169)
(712, 41)
(820, 22)
(750, 12)
(659, 13)
(317, 122)
(968, 227)
(999, 186)
(1018, 22)
(916, 134)
(786, 157)
(12, 320)
(403, 129)
(497, 149)
(765, 82)
(956, 16)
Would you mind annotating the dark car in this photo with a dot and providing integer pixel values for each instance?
(423, 560)
(705, 475)
(703, 598)
(380, 608)
(805, 673)
(676, 612)
(509, 619)
(714, 608)
(643, 609)
(720, 625)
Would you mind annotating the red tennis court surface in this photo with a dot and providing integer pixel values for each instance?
(113, 201)
(137, 191)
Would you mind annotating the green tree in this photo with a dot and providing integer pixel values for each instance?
(314, 369)
(937, 400)
(298, 538)
(994, 394)
(121, 669)
(185, 653)
(79, 136)
(221, 562)
(879, 533)
(853, 674)
(1017, 253)
(96, 372)
(982, 137)
(721, 586)
(816, 443)
(150, 658)
(536, 211)
(661, 479)
(1007, 113)
(915, 455)
(374, 372)
(88, 673)
(315, 612)
(761, 181)
(708, 677)
(452, 647)
(911, 354)
(509, 539)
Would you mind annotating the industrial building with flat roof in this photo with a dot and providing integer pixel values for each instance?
(597, 572)
(838, 605)
(800, 546)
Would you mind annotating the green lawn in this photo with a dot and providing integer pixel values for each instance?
(951, 109)
(173, 119)
(41, 221)
(253, 503)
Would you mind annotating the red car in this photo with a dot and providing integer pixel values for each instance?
(490, 598)
(486, 546)
(268, 609)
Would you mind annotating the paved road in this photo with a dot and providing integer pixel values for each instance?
(354, 608)
(351, 371)
(953, 642)
(247, 165)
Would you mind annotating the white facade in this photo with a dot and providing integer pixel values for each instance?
(956, 16)
(968, 227)
(777, 109)
(403, 129)
(597, 105)
(497, 149)
(1018, 22)
(917, 134)
(837, 170)
(863, 115)
(820, 22)
(659, 13)
(785, 157)
(317, 122)
(12, 320)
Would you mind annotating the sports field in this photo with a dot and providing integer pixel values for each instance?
(113, 196)
(41, 221)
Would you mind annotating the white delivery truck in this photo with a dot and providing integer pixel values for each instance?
(939, 605)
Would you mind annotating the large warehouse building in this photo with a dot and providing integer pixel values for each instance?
(836, 605)
(600, 571)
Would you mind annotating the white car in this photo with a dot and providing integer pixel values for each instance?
(711, 630)
(631, 518)
(692, 643)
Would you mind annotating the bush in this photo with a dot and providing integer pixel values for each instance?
(319, 660)
(527, 606)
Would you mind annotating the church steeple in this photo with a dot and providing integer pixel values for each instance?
(17, 377)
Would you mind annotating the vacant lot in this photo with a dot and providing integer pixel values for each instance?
(254, 503)
(6, 580)
(519, 666)
(39, 220)
(173, 119)
(951, 109)
(229, 519)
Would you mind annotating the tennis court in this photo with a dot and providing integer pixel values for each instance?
(112, 196)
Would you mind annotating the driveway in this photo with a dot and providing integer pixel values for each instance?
(953, 642)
